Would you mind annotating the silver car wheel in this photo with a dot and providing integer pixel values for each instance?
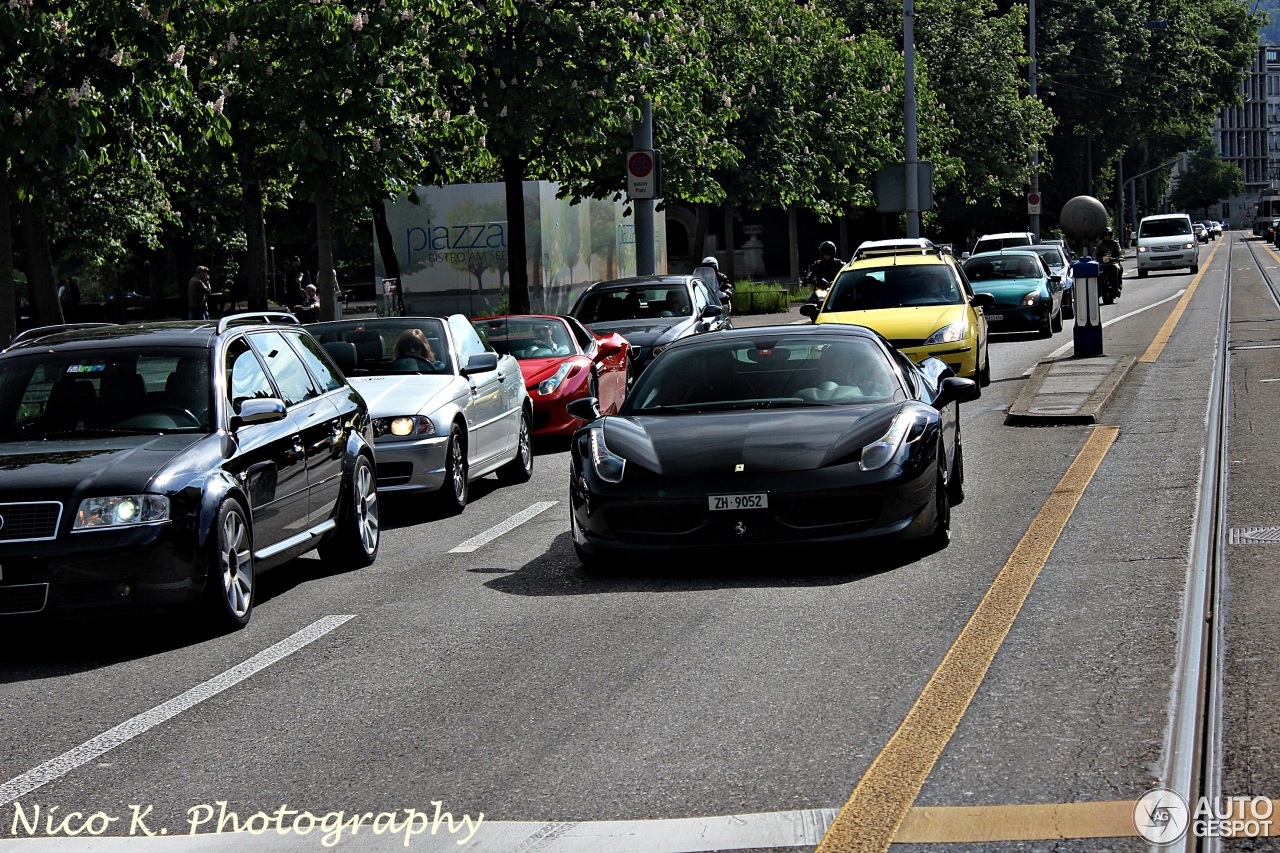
(237, 564)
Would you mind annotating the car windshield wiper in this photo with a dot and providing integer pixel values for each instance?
(730, 405)
(82, 433)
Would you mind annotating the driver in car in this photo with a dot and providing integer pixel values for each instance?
(413, 344)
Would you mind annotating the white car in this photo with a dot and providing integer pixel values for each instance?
(446, 408)
(1003, 240)
(1165, 242)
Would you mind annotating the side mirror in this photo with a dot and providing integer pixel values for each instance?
(584, 409)
(983, 300)
(481, 362)
(711, 311)
(953, 389)
(611, 345)
(258, 410)
(810, 310)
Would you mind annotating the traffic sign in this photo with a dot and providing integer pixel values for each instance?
(1033, 203)
(642, 174)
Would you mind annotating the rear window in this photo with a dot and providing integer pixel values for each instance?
(995, 244)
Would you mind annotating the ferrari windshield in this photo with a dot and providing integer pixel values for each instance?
(635, 303)
(766, 372)
(526, 337)
(386, 347)
(127, 390)
(900, 286)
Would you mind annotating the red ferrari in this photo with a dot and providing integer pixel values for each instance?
(561, 360)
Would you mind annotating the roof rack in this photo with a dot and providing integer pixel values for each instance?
(249, 318)
(908, 246)
(44, 331)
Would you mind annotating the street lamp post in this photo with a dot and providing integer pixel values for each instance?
(1035, 151)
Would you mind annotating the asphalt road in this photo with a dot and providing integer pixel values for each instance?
(506, 681)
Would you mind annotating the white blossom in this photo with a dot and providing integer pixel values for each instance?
(232, 41)
(376, 145)
(178, 55)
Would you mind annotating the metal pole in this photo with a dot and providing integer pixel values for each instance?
(909, 115)
(642, 140)
(1035, 150)
(1120, 192)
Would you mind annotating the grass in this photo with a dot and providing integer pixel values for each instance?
(760, 297)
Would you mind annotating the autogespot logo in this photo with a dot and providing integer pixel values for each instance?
(1161, 816)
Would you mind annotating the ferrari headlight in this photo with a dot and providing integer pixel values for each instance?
(549, 386)
(404, 426)
(947, 334)
(609, 465)
(121, 511)
(1031, 299)
(884, 450)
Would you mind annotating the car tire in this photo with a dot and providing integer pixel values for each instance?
(520, 469)
(1142, 273)
(231, 587)
(940, 536)
(354, 544)
(984, 372)
(1055, 323)
(1069, 307)
(955, 486)
(452, 497)
(1195, 268)
(1046, 331)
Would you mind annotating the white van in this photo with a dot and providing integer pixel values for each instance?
(1167, 242)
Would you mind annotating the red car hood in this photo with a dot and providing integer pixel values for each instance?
(537, 369)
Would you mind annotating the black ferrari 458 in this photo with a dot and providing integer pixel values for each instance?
(774, 435)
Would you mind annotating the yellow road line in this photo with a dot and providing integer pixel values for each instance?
(869, 820)
(1039, 822)
(1166, 331)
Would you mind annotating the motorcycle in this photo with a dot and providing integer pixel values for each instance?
(818, 294)
(1110, 279)
(711, 277)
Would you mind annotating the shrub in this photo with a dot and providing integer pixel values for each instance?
(760, 297)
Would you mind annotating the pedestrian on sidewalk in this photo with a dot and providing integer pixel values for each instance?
(198, 291)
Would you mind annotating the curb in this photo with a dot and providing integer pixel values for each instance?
(1069, 391)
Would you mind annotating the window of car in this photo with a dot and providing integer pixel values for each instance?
(466, 339)
(246, 377)
(1173, 227)
(526, 337)
(585, 339)
(290, 374)
(385, 346)
(894, 286)
(703, 296)
(322, 369)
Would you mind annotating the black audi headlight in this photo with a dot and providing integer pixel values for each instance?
(121, 511)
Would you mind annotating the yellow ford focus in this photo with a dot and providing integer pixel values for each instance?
(916, 296)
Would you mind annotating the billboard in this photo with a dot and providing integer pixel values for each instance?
(452, 247)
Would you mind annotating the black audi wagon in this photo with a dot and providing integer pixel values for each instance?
(164, 465)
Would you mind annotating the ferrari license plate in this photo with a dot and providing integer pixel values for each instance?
(756, 501)
(995, 316)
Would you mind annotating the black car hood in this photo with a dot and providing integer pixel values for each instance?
(761, 440)
(645, 333)
(67, 468)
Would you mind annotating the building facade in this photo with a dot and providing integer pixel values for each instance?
(1249, 135)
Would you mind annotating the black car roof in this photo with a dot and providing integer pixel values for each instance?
(176, 333)
(847, 329)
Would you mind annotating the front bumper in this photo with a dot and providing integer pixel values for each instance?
(411, 465)
(1017, 318)
(1163, 260)
(961, 356)
(651, 514)
(131, 569)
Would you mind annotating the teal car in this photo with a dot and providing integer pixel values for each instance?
(1028, 297)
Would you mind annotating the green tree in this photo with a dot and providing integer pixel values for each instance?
(1207, 181)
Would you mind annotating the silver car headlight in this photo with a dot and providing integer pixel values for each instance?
(121, 511)
(609, 465)
(549, 385)
(947, 334)
(403, 426)
(1190, 245)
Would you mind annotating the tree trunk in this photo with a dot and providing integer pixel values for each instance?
(42, 285)
(155, 285)
(387, 249)
(517, 264)
(8, 290)
(702, 218)
(728, 241)
(326, 279)
(255, 232)
(793, 243)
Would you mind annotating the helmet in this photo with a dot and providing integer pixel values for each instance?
(827, 248)
(710, 261)
(1106, 232)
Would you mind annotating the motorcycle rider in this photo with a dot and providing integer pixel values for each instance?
(1115, 271)
(827, 266)
(722, 281)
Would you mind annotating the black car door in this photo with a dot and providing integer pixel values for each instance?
(268, 462)
(316, 421)
(326, 455)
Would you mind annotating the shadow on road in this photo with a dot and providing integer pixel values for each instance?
(558, 572)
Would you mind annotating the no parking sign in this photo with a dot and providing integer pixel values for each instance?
(642, 174)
